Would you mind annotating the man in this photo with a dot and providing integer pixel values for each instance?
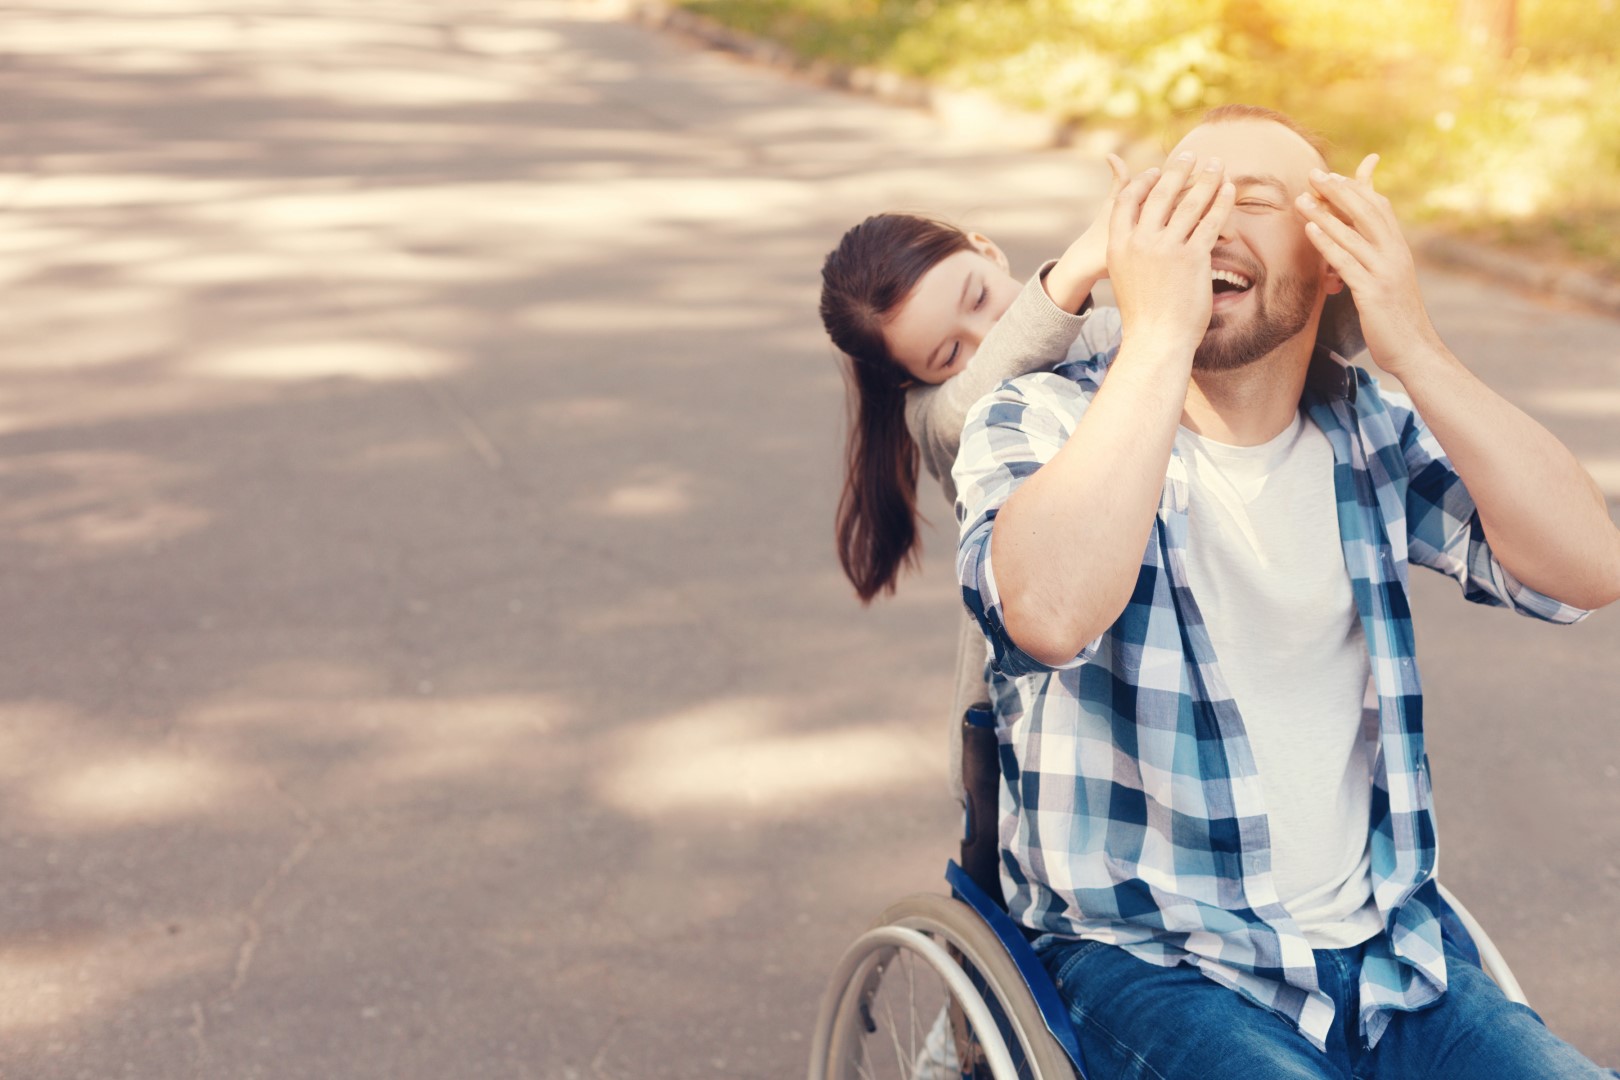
(1189, 553)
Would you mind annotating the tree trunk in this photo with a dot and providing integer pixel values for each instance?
(1490, 26)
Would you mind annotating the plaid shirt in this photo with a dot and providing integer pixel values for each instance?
(1131, 808)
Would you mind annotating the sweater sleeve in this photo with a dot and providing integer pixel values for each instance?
(1033, 335)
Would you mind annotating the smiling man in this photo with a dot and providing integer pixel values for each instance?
(1189, 554)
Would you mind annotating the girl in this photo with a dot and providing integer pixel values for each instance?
(930, 320)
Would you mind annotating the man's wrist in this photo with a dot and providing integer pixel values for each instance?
(1158, 360)
(1419, 365)
(1155, 344)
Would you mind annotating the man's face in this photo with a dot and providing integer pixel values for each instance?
(1269, 279)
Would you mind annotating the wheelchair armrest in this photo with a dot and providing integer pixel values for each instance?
(1022, 954)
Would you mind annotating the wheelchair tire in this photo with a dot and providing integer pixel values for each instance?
(996, 1033)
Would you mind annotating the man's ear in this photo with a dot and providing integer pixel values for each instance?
(987, 247)
(1334, 283)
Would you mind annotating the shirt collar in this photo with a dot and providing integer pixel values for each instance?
(1331, 377)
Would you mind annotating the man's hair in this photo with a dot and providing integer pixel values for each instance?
(1340, 328)
(1225, 113)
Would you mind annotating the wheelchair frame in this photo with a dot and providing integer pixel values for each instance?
(1007, 1021)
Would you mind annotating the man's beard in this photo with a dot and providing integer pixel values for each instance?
(1274, 320)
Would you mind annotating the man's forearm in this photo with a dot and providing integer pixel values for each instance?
(1067, 546)
(1545, 517)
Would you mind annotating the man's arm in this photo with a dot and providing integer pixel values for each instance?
(1544, 517)
(1067, 546)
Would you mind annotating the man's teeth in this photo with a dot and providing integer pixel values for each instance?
(1232, 278)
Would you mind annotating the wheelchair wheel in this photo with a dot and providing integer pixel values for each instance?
(930, 994)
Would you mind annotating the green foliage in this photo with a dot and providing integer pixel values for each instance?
(1522, 148)
(1561, 29)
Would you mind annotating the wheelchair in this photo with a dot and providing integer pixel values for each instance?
(948, 988)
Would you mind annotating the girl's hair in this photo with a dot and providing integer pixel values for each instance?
(866, 277)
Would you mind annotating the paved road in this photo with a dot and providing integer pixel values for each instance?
(424, 652)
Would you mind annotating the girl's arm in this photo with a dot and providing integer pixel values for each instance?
(1034, 334)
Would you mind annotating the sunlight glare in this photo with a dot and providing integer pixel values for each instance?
(1585, 401)
(146, 786)
(732, 754)
(1606, 471)
(662, 496)
(373, 361)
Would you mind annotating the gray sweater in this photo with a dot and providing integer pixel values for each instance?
(1033, 335)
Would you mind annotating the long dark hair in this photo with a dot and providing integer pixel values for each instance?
(872, 270)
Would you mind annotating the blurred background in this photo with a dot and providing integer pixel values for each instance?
(1496, 118)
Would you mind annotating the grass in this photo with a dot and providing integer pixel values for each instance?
(1514, 140)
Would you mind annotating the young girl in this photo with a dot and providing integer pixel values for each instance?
(930, 320)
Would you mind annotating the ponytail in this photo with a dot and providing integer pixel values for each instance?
(877, 512)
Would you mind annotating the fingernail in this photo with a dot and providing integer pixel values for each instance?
(1154, 171)
(1318, 174)
(1184, 156)
(1336, 176)
(1214, 165)
(1308, 201)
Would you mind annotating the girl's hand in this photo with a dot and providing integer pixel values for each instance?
(1354, 228)
(1086, 262)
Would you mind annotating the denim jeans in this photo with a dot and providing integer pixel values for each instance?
(1135, 1019)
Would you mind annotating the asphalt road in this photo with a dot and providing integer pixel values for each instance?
(424, 653)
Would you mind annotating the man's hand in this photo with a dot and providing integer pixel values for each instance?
(1354, 228)
(1067, 545)
(1163, 227)
(1544, 517)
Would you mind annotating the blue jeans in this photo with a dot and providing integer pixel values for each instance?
(1138, 1020)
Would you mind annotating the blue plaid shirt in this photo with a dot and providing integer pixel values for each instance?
(1131, 811)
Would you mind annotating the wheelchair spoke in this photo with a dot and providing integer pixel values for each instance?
(965, 997)
(911, 1000)
(894, 1028)
(866, 1071)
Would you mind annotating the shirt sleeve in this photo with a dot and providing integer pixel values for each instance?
(1033, 334)
(1008, 436)
(1444, 531)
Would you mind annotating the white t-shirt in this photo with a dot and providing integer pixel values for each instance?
(1266, 567)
